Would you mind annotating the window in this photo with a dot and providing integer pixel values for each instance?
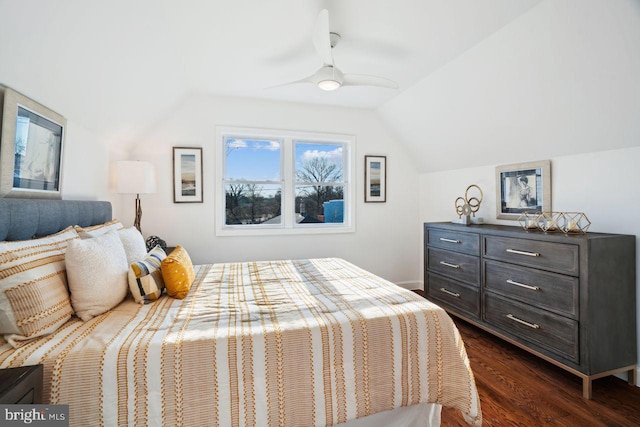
(283, 182)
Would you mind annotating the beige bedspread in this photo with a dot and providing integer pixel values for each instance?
(288, 343)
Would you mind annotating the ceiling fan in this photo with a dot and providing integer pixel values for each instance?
(329, 77)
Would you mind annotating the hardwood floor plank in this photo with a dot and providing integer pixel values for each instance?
(517, 388)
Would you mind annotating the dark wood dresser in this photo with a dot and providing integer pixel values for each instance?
(569, 299)
(21, 385)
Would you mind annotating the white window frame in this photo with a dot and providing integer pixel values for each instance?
(288, 225)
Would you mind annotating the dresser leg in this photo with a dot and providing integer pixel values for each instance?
(586, 388)
(632, 376)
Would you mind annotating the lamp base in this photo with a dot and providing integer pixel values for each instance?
(136, 222)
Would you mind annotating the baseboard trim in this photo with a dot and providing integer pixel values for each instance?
(625, 376)
(410, 284)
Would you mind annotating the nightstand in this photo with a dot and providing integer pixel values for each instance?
(21, 385)
(169, 249)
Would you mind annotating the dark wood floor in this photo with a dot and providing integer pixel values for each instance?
(519, 389)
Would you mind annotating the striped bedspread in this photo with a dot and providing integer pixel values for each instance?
(274, 343)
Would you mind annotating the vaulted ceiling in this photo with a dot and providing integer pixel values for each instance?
(114, 64)
(115, 67)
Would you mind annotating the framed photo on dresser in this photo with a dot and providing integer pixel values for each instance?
(523, 187)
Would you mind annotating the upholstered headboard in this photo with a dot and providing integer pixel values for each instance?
(22, 219)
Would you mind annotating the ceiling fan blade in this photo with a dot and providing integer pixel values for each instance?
(366, 80)
(321, 38)
(310, 79)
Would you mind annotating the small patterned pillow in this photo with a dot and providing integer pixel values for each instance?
(178, 273)
(34, 300)
(145, 277)
(153, 241)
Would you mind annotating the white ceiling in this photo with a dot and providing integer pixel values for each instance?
(114, 66)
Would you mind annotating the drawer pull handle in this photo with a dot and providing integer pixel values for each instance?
(449, 264)
(449, 240)
(515, 319)
(522, 285)
(514, 251)
(453, 294)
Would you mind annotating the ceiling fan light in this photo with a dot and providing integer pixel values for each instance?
(329, 84)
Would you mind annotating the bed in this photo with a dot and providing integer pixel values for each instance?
(287, 342)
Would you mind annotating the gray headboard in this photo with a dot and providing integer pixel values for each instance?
(22, 219)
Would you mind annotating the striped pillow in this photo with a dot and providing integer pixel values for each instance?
(145, 277)
(34, 299)
(100, 229)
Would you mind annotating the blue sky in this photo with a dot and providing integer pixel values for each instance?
(259, 160)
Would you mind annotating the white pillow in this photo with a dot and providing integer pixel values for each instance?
(133, 242)
(97, 274)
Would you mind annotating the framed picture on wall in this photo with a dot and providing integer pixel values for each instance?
(187, 175)
(375, 179)
(30, 148)
(523, 187)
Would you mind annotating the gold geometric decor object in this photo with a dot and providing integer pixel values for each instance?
(575, 223)
(529, 220)
(550, 222)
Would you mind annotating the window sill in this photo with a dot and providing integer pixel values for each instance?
(281, 231)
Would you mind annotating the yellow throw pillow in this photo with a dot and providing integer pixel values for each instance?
(178, 273)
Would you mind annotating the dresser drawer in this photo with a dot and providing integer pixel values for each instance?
(551, 291)
(546, 330)
(552, 256)
(455, 241)
(454, 265)
(452, 295)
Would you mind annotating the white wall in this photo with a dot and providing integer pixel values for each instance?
(603, 185)
(561, 79)
(85, 165)
(385, 242)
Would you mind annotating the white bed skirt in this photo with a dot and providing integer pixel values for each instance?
(421, 415)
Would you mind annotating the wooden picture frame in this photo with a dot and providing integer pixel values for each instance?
(31, 148)
(523, 187)
(187, 175)
(375, 179)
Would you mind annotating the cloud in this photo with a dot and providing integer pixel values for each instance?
(255, 144)
(272, 146)
(236, 143)
(331, 155)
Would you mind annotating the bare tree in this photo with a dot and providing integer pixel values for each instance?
(234, 196)
(254, 196)
(317, 171)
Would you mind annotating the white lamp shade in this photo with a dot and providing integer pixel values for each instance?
(135, 177)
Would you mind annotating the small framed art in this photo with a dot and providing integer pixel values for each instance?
(187, 175)
(375, 179)
(31, 148)
(523, 187)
